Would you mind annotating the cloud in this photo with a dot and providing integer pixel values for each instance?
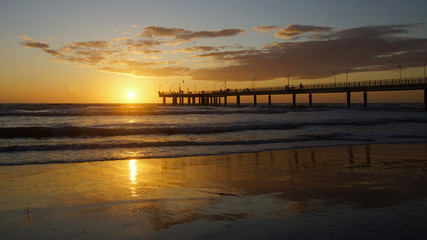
(326, 50)
(90, 44)
(267, 28)
(370, 48)
(28, 42)
(198, 49)
(148, 71)
(184, 35)
(143, 43)
(294, 30)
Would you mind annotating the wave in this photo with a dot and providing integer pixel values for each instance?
(343, 137)
(205, 149)
(77, 131)
(63, 110)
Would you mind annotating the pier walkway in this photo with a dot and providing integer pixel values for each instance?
(219, 97)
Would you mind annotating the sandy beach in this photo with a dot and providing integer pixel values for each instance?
(346, 192)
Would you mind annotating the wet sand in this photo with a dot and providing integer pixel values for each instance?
(346, 192)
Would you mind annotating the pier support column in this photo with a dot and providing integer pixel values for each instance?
(194, 100)
(238, 100)
(225, 101)
(269, 100)
(365, 99)
(254, 100)
(219, 100)
(189, 101)
(310, 99)
(174, 101)
(164, 100)
(348, 99)
(294, 99)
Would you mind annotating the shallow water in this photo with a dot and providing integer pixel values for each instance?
(53, 133)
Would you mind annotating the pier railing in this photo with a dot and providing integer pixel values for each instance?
(380, 85)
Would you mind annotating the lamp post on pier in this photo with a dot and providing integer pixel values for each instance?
(425, 65)
(253, 82)
(289, 75)
(346, 74)
(335, 82)
(400, 72)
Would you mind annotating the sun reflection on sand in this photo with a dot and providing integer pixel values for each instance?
(133, 172)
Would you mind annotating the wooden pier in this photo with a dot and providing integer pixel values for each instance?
(219, 97)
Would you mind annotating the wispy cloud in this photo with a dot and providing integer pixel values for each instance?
(28, 42)
(198, 49)
(184, 35)
(293, 30)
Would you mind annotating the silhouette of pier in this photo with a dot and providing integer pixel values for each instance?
(219, 97)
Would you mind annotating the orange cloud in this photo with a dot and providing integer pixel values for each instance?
(148, 71)
(294, 30)
(267, 28)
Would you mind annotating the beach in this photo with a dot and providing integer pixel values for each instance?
(375, 191)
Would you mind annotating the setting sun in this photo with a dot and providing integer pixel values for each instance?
(131, 94)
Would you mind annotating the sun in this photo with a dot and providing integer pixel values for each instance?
(131, 94)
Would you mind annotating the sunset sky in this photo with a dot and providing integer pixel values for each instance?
(100, 51)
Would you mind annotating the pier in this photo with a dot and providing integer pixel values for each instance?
(219, 97)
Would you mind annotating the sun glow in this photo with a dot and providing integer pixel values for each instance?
(131, 94)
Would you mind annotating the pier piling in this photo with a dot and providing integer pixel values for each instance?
(365, 99)
(294, 99)
(348, 99)
(425, 99)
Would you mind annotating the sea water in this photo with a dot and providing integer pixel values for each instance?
(64, 133)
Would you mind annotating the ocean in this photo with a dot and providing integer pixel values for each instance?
(67, 133)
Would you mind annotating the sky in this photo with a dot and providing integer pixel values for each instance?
(100, 51)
